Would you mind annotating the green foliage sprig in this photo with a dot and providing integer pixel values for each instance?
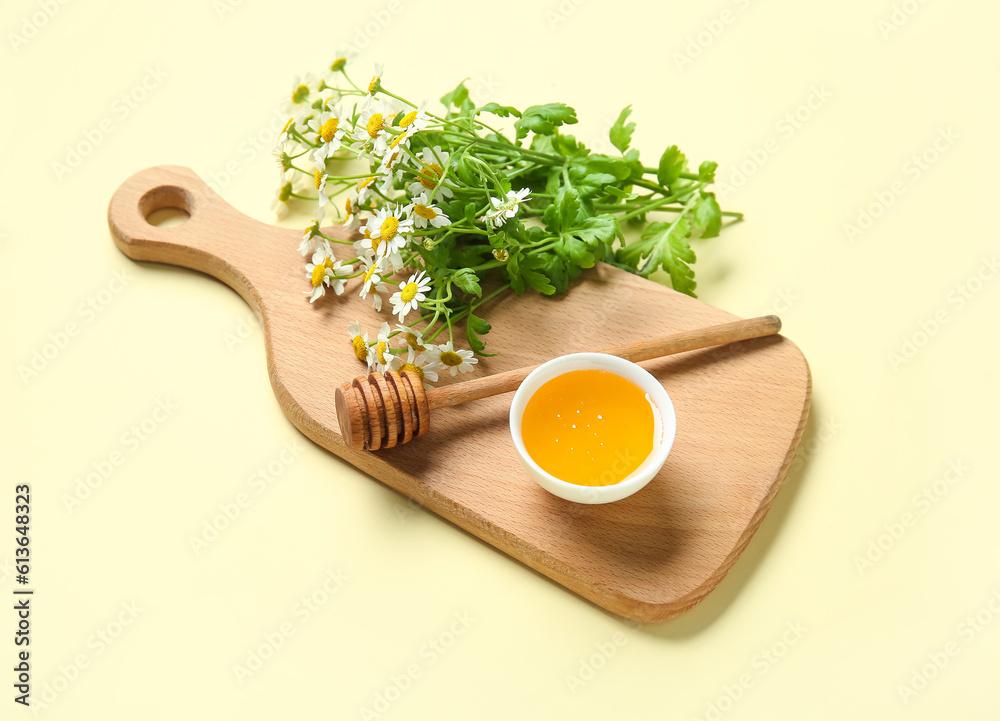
(471, 211)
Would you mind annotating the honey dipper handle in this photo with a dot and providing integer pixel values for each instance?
(466, 391)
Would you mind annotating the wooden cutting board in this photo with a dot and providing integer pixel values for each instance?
(740, 408)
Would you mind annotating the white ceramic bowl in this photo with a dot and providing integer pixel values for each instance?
(664, 418)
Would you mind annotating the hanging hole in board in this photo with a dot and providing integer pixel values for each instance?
(167, 217)
(166, 206)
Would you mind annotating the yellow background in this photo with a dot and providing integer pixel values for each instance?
(799, 628)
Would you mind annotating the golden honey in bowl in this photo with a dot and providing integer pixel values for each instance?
(589, 427)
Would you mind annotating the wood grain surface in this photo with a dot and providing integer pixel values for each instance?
(740, 407)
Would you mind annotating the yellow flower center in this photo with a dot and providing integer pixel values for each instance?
(366, 182)
(300, 94)
(328, 129)
(360, 347)
(409, 292)
(288, 125)
(317, 178)
(395, 141)
(425, 211)
(430, 175)
(349, 207)
(338, 65)
(375, 125)
(286, 193)
(370, 272)
(389, 229)
(451, 359)
(376, 242)
(317, 275)
(380, 348)
(408, 119)
(411, 340)
(392, 157)
(413, 367)
(373, 85)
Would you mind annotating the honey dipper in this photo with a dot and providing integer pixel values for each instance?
(382, 410)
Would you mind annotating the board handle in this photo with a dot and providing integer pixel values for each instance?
(156, 188)
(216, 239)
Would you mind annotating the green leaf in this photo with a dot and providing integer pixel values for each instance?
(559, 272)
(467, 280)
(601, 229)
(503, 111)
(664, 245)
(706, 218)
(475, 327)
(672, 164)
(466, 171)
(513, 268)
(458, 98)
(589, 239)
(569, 146)
(539, 282)
(470, 212)
(479, 324)
(619, 193)
(621, 134)
(634, 164)
(706, 171)
(563, 211)
(544, 119)
(613, 166)
(578, 251)
(523, 270)
(497, 239)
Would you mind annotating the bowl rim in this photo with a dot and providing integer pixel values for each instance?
(662, 404)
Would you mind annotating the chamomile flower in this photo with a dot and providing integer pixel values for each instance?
(335, 275)
(325, 272)
(394, 151)
(365, 187)
(506, 208)
(351, 210)
(410, 124)
(284, 162)
(389, 259)
(359, 340)
(409, 295)
(412, 337)
(319, 180)
(424, 213)
(329, 135)
(372, 281)
(391, 162)
(341, 56)
(415, 120)
(387, 225)
(380, 356)
(282, 197)
(311, 232)
(283, 135)
(429, 175)
(375, 83)
(456, 361)
(423, 366)
(304, 88)
(370, 131)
